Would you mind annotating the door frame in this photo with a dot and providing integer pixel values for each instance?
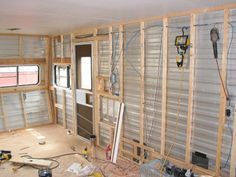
(74, 85)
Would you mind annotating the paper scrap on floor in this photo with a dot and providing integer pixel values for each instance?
(75, 168)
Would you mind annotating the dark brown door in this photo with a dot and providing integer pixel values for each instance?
(84, 90)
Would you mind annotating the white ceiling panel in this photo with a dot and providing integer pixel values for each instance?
(59, 16)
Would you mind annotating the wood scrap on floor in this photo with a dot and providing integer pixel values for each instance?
(29, 161)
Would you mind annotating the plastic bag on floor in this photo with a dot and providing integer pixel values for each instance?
(87, 170)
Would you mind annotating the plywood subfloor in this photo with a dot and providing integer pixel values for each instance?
(25, 142)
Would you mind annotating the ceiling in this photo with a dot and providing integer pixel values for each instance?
(60, 16)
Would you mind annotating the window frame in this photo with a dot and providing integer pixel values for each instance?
(68, 73)
(17, 76)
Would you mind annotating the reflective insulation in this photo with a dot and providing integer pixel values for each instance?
(207, 87)
(13, 110)
(69, 110)
(132, 81)
(57, 47)
(115, 61)
(153, 84)
(59, 110)
(103, 55)
(36, 107)
(109, 110)
(177, 92)
(104, 136)
(2, 128)
(9, 46)
(231, 85)
(34, 47)
(67, 46)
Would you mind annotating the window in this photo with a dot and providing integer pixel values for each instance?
(62, 76)
(86, 73)
(19, 75)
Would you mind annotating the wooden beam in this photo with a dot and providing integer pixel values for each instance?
(164, 84)
(94, 38)
(121, 67)
(95, 90)
(191, 88)
(50, 106)
(233, 150)
(121, 76)
(110, 58)
(54, 103)
(15, 61)
(64, 107)
(222, 108)
(21, 47)
(142, 100)
(62, 46)
(73, 84)
(3, 112)
(23, 88)
(22, 100)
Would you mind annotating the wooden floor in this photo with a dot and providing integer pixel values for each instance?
(26, 142)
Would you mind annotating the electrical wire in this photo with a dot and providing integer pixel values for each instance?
(176, 122)
(124, 50)
(156, 91)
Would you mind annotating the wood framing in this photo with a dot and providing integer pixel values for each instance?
(64, 107)
(121, 67)
(3, 112)
(191, 88)
(23, 108)
(110, 58)
(222, 93)
(164, 84)
(73, 85)
(15, 61)
(142, 86)
(95, 90)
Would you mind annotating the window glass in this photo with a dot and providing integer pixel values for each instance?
(8, 76)
(19, 75)
(28, 75)
(86, 73)
(62, 76)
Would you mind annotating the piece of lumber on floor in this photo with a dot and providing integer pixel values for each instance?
(29, 161)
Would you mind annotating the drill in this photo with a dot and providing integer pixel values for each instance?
(5, 155)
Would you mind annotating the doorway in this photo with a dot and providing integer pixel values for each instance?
(84, 91)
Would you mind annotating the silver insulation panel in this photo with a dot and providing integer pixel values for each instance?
(9, 46)
(132, 82)
(103, 58)
(68, 107)
(69, 110)
(13, 110)
(33, 46)
(153, 84)
(67, 46)
(207, 88)
(177, 92)
(231, 83)
(35, 107)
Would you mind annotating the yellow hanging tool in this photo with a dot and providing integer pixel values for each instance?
(181, 42)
